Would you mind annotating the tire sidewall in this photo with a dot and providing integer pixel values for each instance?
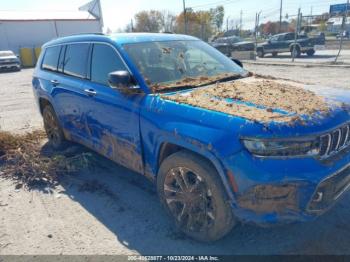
(61, 144)
(223, 213)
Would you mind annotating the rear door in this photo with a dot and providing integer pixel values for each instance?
(112, 115)
(69, 95)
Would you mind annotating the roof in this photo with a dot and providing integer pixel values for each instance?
(44, 15)
(338, 20)
(123, 38)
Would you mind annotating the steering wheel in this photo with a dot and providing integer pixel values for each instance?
(200, 69)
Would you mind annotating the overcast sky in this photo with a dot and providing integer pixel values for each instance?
(117, 13)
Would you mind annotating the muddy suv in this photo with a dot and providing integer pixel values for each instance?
(222, 145)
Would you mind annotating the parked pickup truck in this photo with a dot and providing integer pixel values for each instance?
(221, 145)
(9, 61)
(286, 43)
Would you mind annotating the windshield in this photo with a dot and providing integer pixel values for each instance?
(180, 63)
(6, 53)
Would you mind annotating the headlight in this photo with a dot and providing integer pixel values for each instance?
(281, 148)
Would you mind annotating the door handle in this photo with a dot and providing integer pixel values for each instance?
(90, 92)
(55, 82)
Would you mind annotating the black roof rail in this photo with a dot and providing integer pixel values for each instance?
(94, 33)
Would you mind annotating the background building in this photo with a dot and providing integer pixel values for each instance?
(32, 29)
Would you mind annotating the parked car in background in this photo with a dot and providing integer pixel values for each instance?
(227, 45)
(220, 145)
(9, 61)
(345, 34)
(286, 43)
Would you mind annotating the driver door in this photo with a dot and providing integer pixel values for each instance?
(112, 116)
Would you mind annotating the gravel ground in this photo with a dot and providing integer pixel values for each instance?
(118, 212)
(18, 112)
(325, 76)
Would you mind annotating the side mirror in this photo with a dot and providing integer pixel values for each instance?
(120, 79)
(238, 62)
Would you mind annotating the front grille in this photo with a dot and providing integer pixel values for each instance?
(329, 190)
(334, 141)
(8, 62)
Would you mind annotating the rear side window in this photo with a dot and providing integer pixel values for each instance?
(51, 58)
(104, 61)
(75, 60)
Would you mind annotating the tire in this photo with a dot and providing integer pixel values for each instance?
(260, 53)
(310, 52)
(296, 50)
(53, 128)
(197, 204)
(274, 54)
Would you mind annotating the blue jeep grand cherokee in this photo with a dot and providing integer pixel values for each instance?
(222, 145)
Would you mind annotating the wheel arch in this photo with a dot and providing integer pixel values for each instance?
(42, 103)
(168, 148)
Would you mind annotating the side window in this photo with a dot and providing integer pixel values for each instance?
(104, 61)
(290, 36)
(75, 60)
(51, 58)
(274, 38)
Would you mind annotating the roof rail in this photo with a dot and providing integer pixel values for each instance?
(94, 33)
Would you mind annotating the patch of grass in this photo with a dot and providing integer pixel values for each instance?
(24, 160)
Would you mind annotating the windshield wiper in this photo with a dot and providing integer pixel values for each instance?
(196, 82)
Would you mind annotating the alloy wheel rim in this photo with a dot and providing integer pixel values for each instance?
(189, 200)
(52, 129)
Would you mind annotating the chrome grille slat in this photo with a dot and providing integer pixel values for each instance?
(339, 138)
(329, 144)
(347, 135)
(334, 141)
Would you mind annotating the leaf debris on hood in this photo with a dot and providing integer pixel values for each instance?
(256, 99)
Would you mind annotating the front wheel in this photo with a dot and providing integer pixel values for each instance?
(192, 193)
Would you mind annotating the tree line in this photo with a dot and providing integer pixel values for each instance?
(202, 24)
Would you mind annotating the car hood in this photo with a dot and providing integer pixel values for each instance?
(280, 106)
(8, 57)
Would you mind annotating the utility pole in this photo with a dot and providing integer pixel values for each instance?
(342, 31)
(132, 25)
(240, 23)
(280, 28)
(227, 20)
(257, 18)
(185, 17)
(296, 35)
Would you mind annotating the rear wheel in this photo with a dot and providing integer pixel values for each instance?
(191, 191)
(310, 52)
(53, 129)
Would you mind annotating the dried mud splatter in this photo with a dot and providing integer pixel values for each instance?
(275, 100)
(191, 81)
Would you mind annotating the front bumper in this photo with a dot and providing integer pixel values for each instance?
(10, 66)
(273, 191)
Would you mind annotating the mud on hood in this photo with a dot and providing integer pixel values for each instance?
(263, 100)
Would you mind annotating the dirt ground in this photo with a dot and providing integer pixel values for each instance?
(114, 211)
